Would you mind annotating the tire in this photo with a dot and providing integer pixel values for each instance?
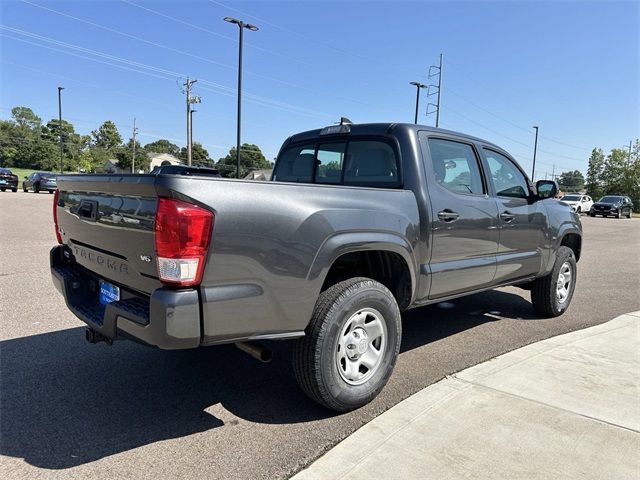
(14, 190)
(327, 361)
(50, 191)
(545, 295)
(618, 215)
(579, 210)
(36, 188)
(24, 188)
(2, 189)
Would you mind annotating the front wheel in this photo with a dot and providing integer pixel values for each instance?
(552, 294)
(36, 188)
(14, 190)
(351, 344)
(2, 189)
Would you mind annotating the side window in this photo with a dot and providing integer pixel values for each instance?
(296, 164)
(371, 163)
(329, 163)
(507, 179)
(455, 166)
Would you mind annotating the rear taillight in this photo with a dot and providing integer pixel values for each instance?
(182, 233)
(55, 215)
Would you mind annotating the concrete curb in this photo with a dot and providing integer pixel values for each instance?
(565, 407)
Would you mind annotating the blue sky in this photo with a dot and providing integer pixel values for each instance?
(570, 67)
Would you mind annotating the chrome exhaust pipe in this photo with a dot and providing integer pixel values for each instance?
(256, 350)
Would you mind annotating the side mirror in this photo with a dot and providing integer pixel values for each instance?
(546, 189)
(26, 178)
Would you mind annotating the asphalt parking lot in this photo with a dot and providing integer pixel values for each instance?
(69, 409)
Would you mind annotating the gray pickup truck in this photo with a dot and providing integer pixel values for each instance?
(358, 223)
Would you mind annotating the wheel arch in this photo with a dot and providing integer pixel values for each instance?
(382, 256)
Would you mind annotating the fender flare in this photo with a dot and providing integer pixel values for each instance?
(342, 243)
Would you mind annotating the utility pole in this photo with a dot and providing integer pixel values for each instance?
(535, 149)
(439, 71)
(190, 100)
(629, 160)
(60, 122)
(553, 173)
(418, 87)
(133, 159)
(191, 130)
(241, 26)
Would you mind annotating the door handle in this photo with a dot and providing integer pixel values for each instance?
(507, 217)
(448, 216)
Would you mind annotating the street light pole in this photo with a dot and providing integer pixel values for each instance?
(418, 87)
(253, 28)
(60, 122)
(535, 148)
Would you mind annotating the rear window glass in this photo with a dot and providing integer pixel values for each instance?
(367, 163)
(329, 165)
(296, 164)
(371, 163)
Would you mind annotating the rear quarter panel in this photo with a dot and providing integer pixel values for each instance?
(273, 244)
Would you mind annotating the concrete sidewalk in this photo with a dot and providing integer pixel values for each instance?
(566, 407)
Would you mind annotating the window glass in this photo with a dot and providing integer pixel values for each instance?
(507, 179)
(455, 166)
(329, 163)
(296, 164)
(371, 163)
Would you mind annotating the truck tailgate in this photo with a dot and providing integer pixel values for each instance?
(107, 222)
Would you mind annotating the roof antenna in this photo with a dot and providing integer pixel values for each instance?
(345, 121)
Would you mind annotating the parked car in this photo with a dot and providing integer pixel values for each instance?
(612, 205)
(38, 181)
(358, 223)
(579, 203)
(8, 180)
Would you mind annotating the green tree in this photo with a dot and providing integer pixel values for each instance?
(107, 136)
(614, 171)
(162, 146)
(199, 155)
(251, 158)
(593, 184)
(24, 118)
(72, 143)
(572, 181)
(124, 155)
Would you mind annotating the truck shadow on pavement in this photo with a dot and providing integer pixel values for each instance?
(65, 403)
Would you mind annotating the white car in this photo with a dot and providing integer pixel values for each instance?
(579, 203)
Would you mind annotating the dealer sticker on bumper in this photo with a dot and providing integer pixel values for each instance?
(108, 293)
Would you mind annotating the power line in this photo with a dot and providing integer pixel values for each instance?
(157, 71)
(202, 29)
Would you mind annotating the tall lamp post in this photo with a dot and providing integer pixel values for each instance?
(535, 148)
(418, 87)
(241, 27)
(60, 122)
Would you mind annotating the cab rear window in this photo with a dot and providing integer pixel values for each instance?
(366, 163)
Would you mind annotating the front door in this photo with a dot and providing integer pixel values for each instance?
(522, 222)
(464, 228)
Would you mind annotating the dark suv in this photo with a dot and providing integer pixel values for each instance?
(8, 180)
(40, 181)
(612, 205)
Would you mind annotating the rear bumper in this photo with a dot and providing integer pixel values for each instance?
(168, 319)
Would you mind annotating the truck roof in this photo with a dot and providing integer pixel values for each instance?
(385, 129)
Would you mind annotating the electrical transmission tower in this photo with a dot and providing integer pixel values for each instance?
(435, 71)
(190, 101)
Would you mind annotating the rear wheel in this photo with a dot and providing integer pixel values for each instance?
(2, 189)
(14, 190)
(351, 344)
(592, 214)
(36, 188)
(552, 294)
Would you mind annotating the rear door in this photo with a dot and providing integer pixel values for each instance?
(464, 229)
(522, 222)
